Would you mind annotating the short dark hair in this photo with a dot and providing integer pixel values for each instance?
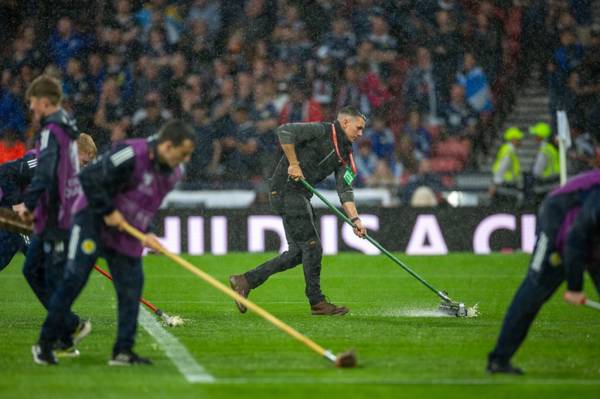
(176, 131)
(46, 86)
(351, 111)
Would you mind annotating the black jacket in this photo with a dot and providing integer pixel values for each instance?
(15, 176)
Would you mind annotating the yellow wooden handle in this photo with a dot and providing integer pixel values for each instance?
(234, 295)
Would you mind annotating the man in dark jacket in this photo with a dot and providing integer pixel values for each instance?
(48, 200)
(14, 178)
(126, 184)
(312, 152)
(567, 230)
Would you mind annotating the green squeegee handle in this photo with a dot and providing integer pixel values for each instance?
(439, 293)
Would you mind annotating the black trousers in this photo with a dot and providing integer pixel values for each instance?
(10, 244)
(84, 249)
(544, 276)
(44, 270)
(304, 247)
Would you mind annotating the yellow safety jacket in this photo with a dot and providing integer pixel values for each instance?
(552, 162)
(514, 172)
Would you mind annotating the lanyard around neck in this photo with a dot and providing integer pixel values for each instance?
(337, 150)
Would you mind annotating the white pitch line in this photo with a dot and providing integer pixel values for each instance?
(450, 381)
(193, 372)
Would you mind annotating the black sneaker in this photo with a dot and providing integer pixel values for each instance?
(84, 328)
(43, 356)
(128, 359)
(494, 366)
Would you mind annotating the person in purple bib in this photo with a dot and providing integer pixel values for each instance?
(568, 224)
(48, 200)
(127, 183)
(14, 178)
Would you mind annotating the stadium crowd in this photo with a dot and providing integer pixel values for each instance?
(435, 77)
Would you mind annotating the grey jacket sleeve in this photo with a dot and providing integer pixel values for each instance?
(504, 166)
(539, 164)
(295, 133)
(344, 190)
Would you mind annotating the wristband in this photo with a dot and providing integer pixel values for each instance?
(354, 219)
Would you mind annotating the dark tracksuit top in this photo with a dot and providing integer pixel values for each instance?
(579, 212)
(49, 183)
(105, 179)
(318, 159)
(15, 176)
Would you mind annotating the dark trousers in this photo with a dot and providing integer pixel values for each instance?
(304, 247)
(83, 250)
(44, 270)
(10, 244)
(545, 275)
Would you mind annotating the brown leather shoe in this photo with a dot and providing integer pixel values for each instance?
(325, 308)
(240, 285)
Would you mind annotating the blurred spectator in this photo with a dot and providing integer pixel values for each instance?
(125, 20)
(205, 160)
(248, 139)
(149, 80)
(419, 137)
(157, 46)
(147, 120)
(423, 178)
(582, 154)
(475, 82)
(385, 46)
(257, 23)
(460, 120)
(362, 12)
(420, 89)
(12, 112)
(373, 87)
(446, 50)
(20, 55)
(381, 138)
(373, 171)
(118, 69)
(405, 155)
(208, 12)
(244, 86)
(340, 42)
(300, 107)
(191, 94)
(265, 117)
(569, 54)
(486, 44)
(96, 71)
(66, 43)
(112, 116)
(176, 81)
(159, 13)
(366, 162)
(223, 105)
(79, 91)
(198, 46)
(350, 92)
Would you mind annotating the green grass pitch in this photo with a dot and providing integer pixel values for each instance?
(403, 351)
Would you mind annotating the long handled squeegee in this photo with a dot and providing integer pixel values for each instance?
(447, 305)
